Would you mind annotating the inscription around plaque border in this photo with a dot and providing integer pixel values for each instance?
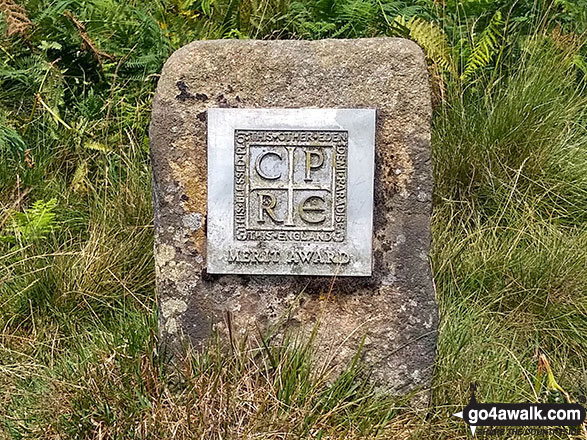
(290, 185)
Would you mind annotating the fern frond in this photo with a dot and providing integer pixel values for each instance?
(431, 38)
(34, 223)
(485, 47)
(16, 18)
(341, 30)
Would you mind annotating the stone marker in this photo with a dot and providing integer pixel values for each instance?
(292, 186)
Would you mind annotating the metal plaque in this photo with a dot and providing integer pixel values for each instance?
(290, 191)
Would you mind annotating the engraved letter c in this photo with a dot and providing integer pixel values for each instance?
(258, 165)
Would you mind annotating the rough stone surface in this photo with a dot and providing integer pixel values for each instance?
(395, 308)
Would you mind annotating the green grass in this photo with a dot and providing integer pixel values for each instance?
(78, 351)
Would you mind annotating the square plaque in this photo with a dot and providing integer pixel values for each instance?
(290, 191)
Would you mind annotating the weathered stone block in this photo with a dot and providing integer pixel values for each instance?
(394, 308)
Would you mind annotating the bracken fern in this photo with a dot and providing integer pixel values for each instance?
(431, 38)
(35, 223)
(17, 20)
(485, 47)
